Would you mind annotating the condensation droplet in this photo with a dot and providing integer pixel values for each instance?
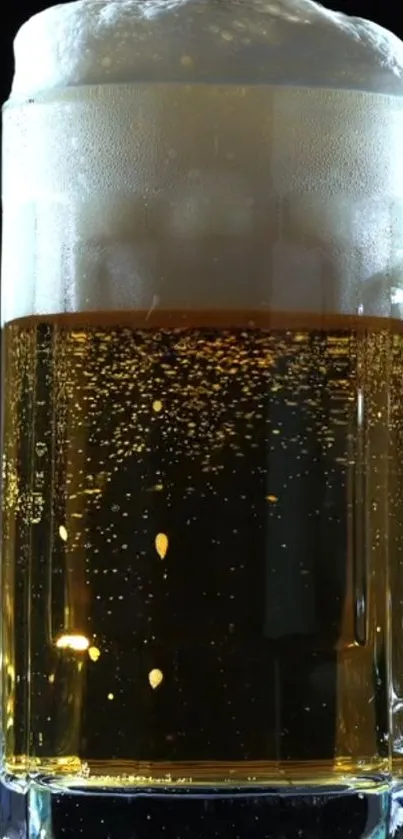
(111, 696)
(157, 406)
(155, 678)
(63, 533)
(161, 544)
(272, 498)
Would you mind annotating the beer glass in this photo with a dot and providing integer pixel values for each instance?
(203, 358)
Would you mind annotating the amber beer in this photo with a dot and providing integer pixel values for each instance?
(191, 590)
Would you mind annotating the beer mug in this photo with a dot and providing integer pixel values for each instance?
(203, 413)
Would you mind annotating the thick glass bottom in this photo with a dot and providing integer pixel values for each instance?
(156, 813)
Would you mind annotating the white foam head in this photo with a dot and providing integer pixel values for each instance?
(246, 41)
(203, 154)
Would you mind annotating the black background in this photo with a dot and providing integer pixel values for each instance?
(202, 819)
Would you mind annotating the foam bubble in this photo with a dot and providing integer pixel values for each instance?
(290, 42)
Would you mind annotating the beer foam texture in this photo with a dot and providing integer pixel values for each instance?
(188, 154)
(259, 41)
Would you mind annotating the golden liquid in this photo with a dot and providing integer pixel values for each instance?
(201, 515)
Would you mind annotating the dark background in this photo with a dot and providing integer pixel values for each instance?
(202, 820)
(388, 13)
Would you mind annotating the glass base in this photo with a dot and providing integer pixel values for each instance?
(260, 813)
(396, 811)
